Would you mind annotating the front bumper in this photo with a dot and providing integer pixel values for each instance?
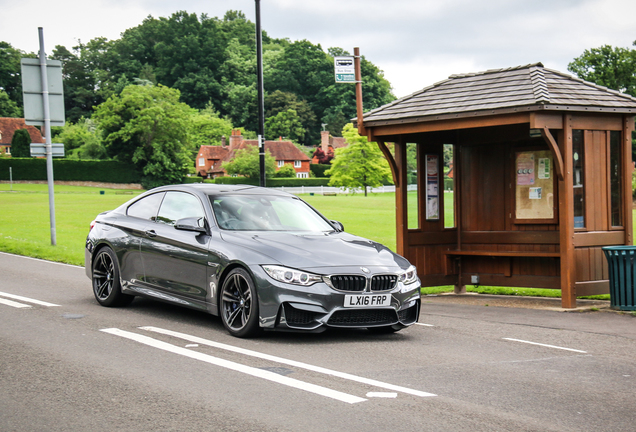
(317, 307)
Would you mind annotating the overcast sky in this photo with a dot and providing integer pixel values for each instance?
(415, 42)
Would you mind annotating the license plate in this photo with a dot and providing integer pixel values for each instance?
(367, 300)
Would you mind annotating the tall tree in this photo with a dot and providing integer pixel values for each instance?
(284, 124)
(8, 108)
(612, 67)
(21, 144)
(10, 80)
(359, 165)
(148, 126)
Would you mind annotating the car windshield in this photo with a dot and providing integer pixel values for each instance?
(266, 213)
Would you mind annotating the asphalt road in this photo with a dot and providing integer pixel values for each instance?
(69, 364)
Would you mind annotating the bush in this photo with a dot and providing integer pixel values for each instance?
(69, 170)
(319, 169)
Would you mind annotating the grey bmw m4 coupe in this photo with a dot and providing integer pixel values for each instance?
(261, 259)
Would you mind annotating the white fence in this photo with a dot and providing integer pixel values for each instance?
(322, 190)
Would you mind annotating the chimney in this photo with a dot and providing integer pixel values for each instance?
(236, 139)
(324, 140)
(223, 141)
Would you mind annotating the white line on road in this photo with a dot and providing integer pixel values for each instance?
(544, 345)
(13, 304)
(425, 325)
(259, 373)
(26, 299)
(288, 362)
(41, 260)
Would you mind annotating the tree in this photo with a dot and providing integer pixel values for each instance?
(359, 165)
(284, 124)
(82, 140)
(148, 126)
(279, 101)
(8, 108)
(10, 80)
(246, 163)
(21, 144)
(207, 128)
(614, 68)
(286, 171)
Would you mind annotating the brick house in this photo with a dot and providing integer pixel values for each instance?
(9, 125)
(210, 159)
(327, 148)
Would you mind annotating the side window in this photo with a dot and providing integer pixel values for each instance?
(179, 205)
(146, 208)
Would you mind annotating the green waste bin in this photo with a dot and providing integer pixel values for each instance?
(622, 276)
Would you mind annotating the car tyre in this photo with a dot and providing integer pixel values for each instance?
(106, 282)
(239, 304)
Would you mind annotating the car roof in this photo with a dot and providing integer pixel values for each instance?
(214, 189)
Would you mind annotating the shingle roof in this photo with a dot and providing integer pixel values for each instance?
(8, 126)
(530, 87)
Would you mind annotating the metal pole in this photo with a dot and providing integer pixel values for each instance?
(47, 134)
(11, 178)
(358, 76)
(261, 100)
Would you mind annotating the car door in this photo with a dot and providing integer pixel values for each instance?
(128, 246)
(176, 261)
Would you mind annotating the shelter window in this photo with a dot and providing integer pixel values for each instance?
(578, 164)
(615, 178)
(413, 198)
(449, 186)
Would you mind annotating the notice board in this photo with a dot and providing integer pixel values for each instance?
(534, 191)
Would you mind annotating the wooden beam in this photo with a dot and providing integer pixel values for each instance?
(558, 165)
(443, 125)
(599, 238)
(628, 167)
(389, 157)
(401, 228)
(566, 218)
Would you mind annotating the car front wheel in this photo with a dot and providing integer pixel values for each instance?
(239, 304)
(106, 283)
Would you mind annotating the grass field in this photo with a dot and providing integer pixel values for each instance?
(25, 226)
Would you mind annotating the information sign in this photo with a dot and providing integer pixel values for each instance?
(344, 69)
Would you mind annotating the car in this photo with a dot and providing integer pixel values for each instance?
(259, 258)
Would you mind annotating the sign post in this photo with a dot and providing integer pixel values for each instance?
(39, 114)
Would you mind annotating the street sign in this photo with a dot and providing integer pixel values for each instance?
(344, 69)
(32, 91)
(39, 150)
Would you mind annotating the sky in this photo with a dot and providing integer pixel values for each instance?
(415, 42)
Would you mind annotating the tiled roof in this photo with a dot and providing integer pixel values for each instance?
(9, 125)
(530, 87)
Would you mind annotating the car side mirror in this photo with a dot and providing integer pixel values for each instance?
(192, 224)
(337, 225)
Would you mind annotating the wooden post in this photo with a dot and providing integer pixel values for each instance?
(566, 218)
(628, 167)
(358, 76)
(401, 227)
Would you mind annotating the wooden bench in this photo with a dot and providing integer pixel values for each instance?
(507, 254)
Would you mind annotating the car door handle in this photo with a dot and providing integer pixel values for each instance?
(151, 233)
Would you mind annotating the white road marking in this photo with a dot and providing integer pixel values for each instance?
(425, 325)
(386, 395)
(13, 304)
(26, 299)
(288, 362)
(259, 373)
(545, 345)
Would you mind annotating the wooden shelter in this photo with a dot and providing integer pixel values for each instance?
(542, 168)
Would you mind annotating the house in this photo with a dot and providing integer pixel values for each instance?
(328, 145)
(9, 125)
(210, 159)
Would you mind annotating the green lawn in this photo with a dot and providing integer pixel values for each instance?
(25, 226)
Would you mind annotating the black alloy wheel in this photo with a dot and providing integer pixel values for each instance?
(239, 304)
(106, 284)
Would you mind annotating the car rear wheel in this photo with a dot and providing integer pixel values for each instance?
(106, 283)
(239, 304)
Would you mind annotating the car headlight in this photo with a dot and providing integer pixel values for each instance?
(291, 276)
(409, 276)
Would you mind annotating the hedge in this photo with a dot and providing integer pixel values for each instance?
(69, 170)
(274, 182)
(319, 169)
